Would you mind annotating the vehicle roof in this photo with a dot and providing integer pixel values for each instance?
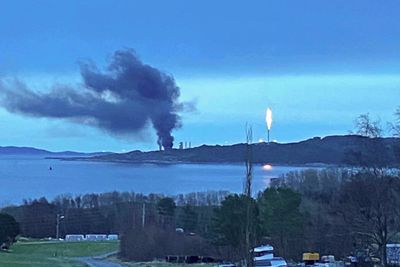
(264, 248)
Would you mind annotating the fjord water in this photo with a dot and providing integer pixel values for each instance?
(27, 177)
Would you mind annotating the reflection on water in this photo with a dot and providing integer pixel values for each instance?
(267, 167)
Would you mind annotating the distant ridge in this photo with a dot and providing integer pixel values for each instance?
(15, 150)
(328, 150)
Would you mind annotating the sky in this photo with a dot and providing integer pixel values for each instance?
(317, 64)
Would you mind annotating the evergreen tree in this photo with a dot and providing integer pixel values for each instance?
(280, 216)
(9, 229)
(230, 223)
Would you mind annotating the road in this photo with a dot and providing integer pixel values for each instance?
(99, 261)
(93, 262)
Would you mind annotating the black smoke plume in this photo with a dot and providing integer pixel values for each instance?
(121, 99)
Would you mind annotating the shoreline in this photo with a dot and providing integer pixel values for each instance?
(168, 162)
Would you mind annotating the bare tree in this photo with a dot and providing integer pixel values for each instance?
(367, 127)
(247, 191)
(372, 153)
(370, 206)
(395, 127)
(249, 161)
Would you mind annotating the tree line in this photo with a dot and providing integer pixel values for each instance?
(106, 213)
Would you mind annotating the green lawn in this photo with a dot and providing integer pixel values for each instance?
(57, 254)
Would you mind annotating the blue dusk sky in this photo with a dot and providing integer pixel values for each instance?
(318, 64)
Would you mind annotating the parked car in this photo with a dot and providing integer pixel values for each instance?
(227, 265)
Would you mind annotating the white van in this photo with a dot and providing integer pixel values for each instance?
(74, 238)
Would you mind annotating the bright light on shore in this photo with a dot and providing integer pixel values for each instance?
(267, 167)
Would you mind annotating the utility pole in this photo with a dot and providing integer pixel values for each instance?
(59, 218)
(143, 215)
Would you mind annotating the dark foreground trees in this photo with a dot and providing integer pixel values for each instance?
(275, 218)
(281, 219)
(370, 206)
(230, 225)
(154, 242)
(9, 229)
(361, 212)
(112, 213)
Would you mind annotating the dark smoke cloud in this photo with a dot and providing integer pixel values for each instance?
(121, 100)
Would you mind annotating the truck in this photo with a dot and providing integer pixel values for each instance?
(310, 258)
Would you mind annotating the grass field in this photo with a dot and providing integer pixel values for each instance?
(57, 254)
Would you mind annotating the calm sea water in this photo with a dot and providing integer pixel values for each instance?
(30, 177)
